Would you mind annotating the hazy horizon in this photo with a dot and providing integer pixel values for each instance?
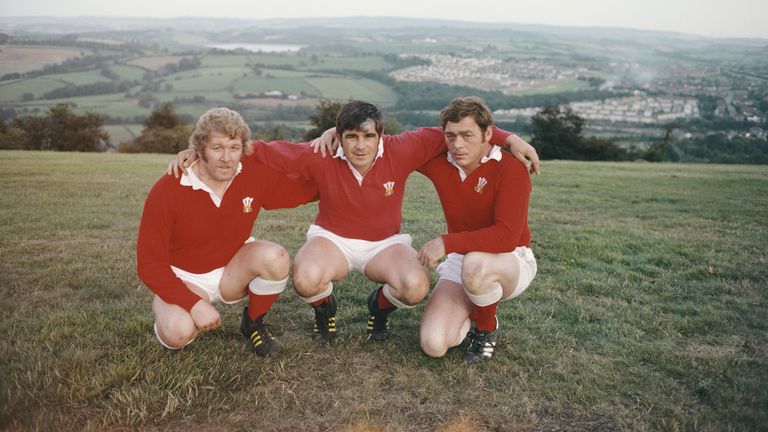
(710, 18)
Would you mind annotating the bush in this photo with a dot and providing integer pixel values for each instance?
(163, 140)
(164, 132)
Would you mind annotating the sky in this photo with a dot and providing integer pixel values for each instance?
(713, 18)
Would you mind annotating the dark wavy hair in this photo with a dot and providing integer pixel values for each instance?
(355, 113)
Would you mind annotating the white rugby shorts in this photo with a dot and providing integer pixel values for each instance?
(450, 269)
(358, 252)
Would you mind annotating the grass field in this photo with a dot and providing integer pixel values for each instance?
(357, 63)
(650, 312)
(14, 91)
(79, 78)
(129, 73)
(155, 63)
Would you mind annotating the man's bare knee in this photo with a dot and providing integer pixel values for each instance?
(433, 345)
(177, 335)
(474, 272)
(415, 287)
(273, 260)
(307, 279)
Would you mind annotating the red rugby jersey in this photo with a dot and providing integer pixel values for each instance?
(182, 227)
(487, 212)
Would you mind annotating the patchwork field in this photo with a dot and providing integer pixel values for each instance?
(19, 59)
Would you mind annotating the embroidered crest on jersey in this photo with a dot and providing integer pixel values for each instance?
(481, 182)
(247, 204)
(389, 188)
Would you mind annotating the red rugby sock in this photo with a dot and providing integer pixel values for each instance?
(258, 304)
(317, 303)
(485, 317)
(383, 301)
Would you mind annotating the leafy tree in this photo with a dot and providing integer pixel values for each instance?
(598, 149)
(60, 129)
(160, 140)
(557, 135)
(324, 119)
(392, 126)
(12, 138)
(35, 131)
(164, 132)
(659, 151)
(164, 117)
(68, 131)
(719, 148)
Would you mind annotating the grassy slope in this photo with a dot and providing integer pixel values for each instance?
(649, 312)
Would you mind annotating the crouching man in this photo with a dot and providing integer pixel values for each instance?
(484, 193)
(194, 245)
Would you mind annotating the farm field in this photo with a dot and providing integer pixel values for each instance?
(649, 312)
(21, 59)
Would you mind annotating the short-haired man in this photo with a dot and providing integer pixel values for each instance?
(194, 244)
(484, 194)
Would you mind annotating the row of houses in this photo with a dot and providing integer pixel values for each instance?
(639, 109)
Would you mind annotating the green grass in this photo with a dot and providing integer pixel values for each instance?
(362, 63)
(205, 80)
(79, 78)
(226, 60)
(649, 312)
(112, 105)
(128, 73)
(356, 63)
(347, 88)
(14, 91)
(256, 84)
(282, 73)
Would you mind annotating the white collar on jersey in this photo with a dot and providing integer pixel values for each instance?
(358, 176)
(379, 153)
(192, 180)
(495, 154)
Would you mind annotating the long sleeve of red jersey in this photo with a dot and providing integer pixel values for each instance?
(280, 191)
(286, 157)
(153, 250)
(499, 136)
(416, 147)
(510, 217)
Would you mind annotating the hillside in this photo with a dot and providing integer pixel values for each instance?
(628, 84)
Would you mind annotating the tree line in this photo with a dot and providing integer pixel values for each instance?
(556, 133)
(59, 129)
